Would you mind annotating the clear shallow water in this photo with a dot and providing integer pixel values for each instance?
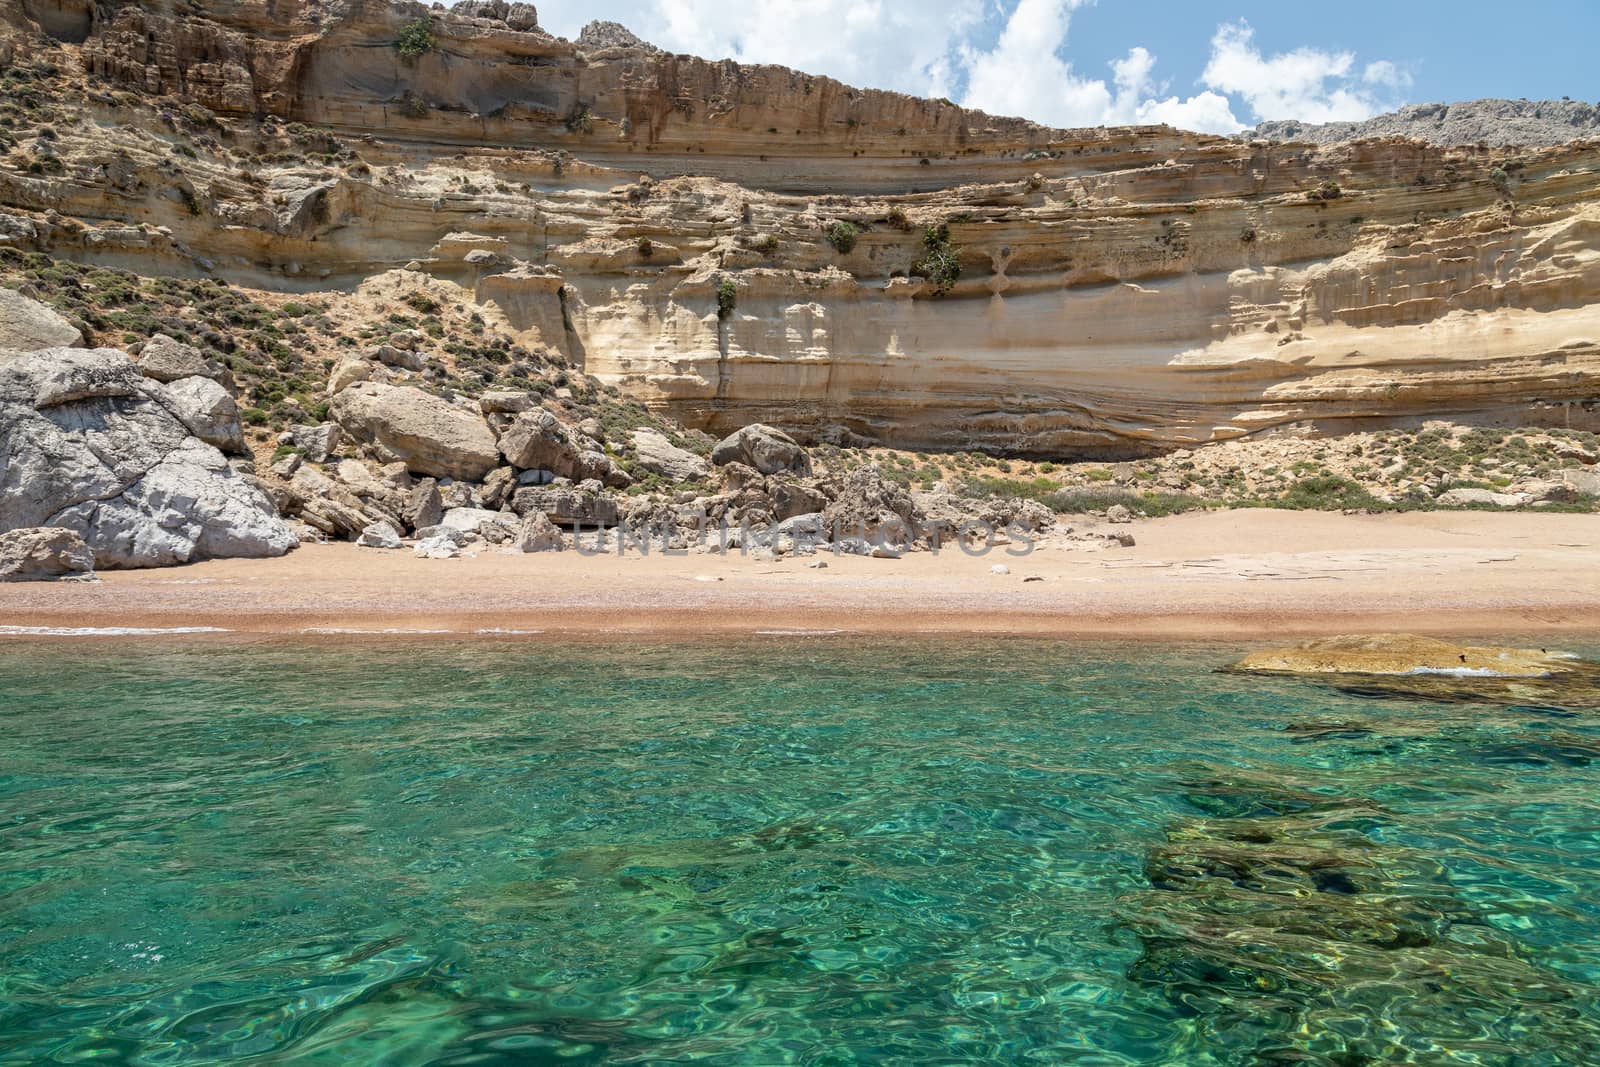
(818, 851)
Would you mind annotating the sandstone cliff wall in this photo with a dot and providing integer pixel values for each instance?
(1120, 291)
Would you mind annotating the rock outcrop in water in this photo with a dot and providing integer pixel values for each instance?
(1408, 666)
(1407, 654)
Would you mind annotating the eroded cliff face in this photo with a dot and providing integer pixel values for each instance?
(673, 226)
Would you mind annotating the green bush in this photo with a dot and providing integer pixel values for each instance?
(1328, 493)
(421, 301)
(727, 297)
(941, 260)
(1150, 505)
(646, 248)
(416, 39)
(842, 236)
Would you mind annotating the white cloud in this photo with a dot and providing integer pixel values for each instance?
(885, 44)
(926, 48)
(1024, 74)
(1306, 84)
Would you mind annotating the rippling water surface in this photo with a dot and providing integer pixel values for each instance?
(791, 850)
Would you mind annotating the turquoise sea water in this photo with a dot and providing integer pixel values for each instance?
(785, 850)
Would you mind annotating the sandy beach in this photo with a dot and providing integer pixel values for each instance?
(1221, 574)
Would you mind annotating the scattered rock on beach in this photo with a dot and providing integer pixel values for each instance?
(539, 534)
(43, 553)
(380, 535)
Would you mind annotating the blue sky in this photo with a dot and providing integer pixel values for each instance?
(1206, 66)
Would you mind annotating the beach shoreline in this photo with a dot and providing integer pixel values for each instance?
(1231, 575)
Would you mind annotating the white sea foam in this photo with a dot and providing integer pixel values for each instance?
(106, 631)
(339, 631)
(1471, 672)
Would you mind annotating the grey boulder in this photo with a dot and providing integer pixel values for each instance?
(317, 442)
(660, 456)
(167, 360)
(768, 450)
(539, 534)
(536, 440)
(380, 535)
(26, 325)
(209, 411)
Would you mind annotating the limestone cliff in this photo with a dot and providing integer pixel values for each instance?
(750, 244)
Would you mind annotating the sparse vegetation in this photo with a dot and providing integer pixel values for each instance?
(580, 121)
(1327, 190)
(416, 39)
(645, 248)
(727, 297)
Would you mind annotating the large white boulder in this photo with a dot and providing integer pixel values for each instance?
(88, 444)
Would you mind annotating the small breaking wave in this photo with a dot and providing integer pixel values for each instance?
(1472, 672)
(107, 631)
(341, 631)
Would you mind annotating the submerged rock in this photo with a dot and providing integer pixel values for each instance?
(1294, 936)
